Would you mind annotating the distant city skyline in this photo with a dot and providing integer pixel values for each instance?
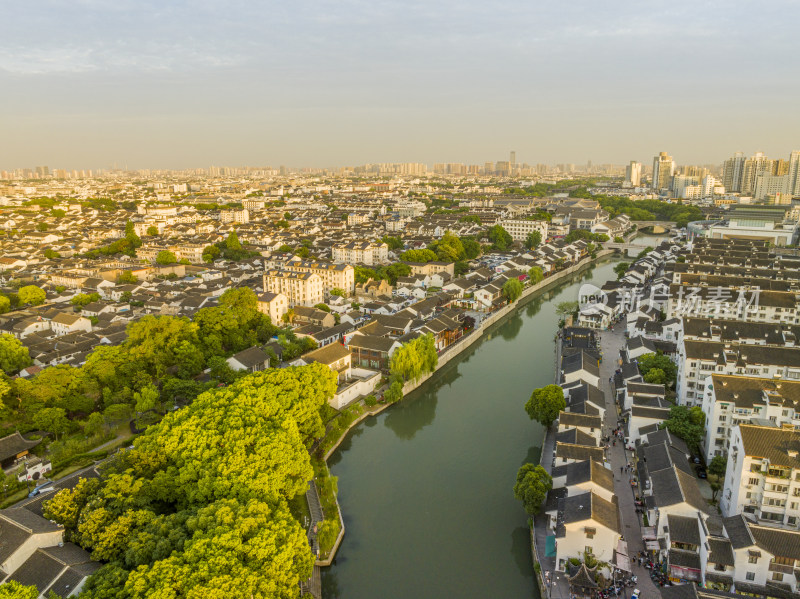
(333, 84)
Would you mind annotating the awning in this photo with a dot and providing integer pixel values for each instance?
(550, 546)
(621, 559)
(652, 545)
(648, 532)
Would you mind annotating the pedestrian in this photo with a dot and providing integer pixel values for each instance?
(620, 469)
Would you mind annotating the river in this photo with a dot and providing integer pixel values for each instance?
(426, 486)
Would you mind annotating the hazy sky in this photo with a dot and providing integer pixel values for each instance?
(177, 84)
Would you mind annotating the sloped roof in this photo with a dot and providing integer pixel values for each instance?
(14, 444)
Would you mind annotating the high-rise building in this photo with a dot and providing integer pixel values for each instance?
(663, 170)
(513, 159)
(793, 186)
(732, 172)
(754, 166)
(633, 173)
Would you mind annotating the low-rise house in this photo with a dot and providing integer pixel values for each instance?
(580, 366)
(64, 323)
(310, 315)
(372, 352)
(335, 356)
(252, 359)
(587, 524)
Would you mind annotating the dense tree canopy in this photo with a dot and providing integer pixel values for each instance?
(199, 506)
(535, 275)
(545, 404)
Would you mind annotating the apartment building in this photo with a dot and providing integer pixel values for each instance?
(763, 475)
(239, 217)
(333, 275)
(300, 288)
(732, 400)
(748, 304)
(698, 360)
(520, 228)
(361, 252)
(274, 305)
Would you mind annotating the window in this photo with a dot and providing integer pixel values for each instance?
(752, 481)
(777, 576)
(750, 576)
(589, 550)
(752, 559)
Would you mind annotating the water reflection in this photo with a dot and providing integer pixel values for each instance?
(533, 455)
(511, 327)
(411, 415)
(521, 550)
(330, 583)
(533, 307)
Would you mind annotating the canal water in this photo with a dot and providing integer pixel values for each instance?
(426, 486)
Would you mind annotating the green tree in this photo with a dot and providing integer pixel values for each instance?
(414, 358)
(84, 299)
(127, 278)
(394, 243)
(146, 399)
(566, 308)
(718, 466)
(152, 230)
(425, 255)
(5, 304)
(232, 242)
(687, 423)
(42, 227)
(472, 249)
(13, 355)
(533, 239)
(210, 253)
(31, 294)
(545, 404)
(621, 268)
(619, 239)
(338, 292)
(655, 376)
(15, 590)
(394, 393)
(532, 486)
(535, 275)
(93, 424)
(449, 248)
(500, 238)
(165, 257)
(52, 420)
(51, 254)
(658, 361)
(512, 289)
